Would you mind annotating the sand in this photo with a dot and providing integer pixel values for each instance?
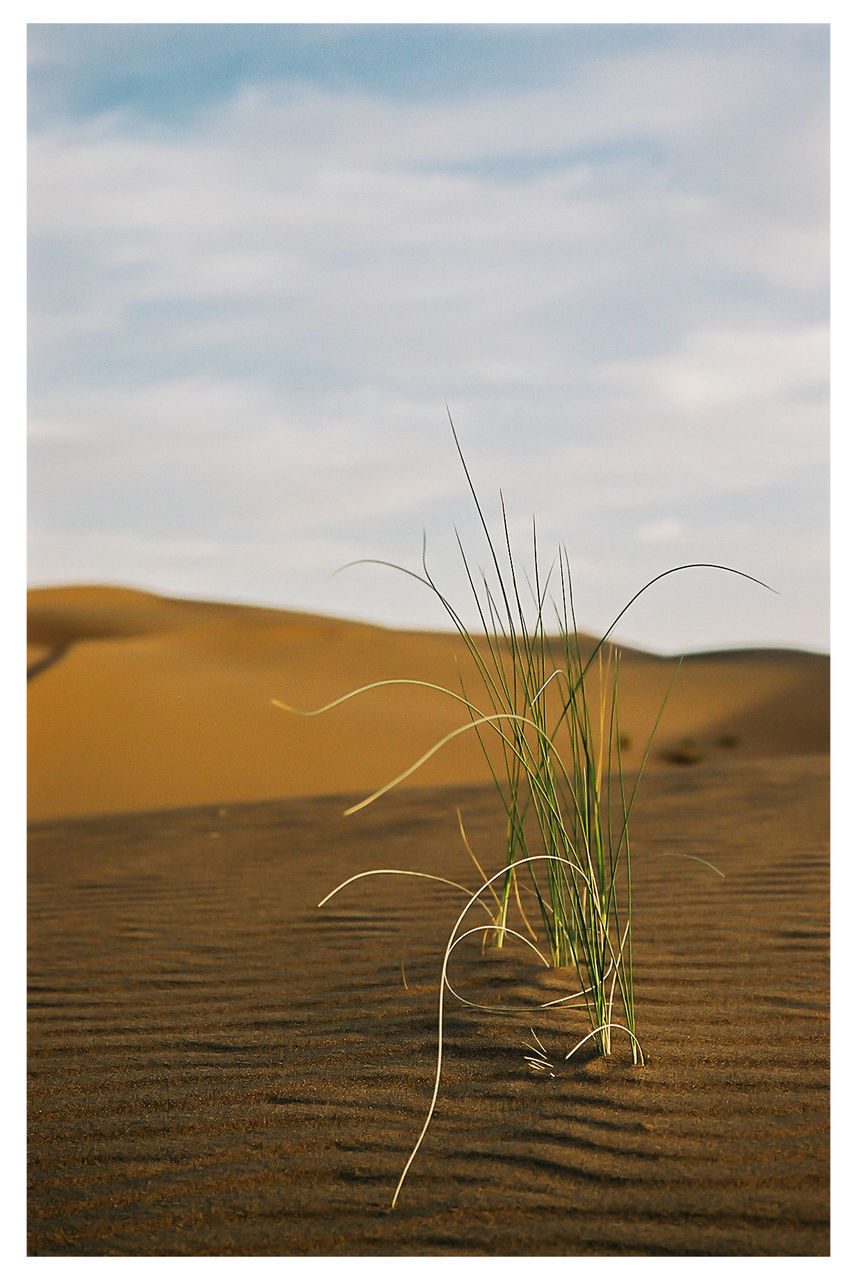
(219, 1067)
(140, 702)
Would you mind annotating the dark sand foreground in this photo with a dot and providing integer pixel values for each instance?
(219, 1067)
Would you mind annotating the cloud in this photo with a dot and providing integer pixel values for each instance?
(244, 324)
(660, 532)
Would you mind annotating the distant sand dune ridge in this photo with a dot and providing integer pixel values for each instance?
(141, 702)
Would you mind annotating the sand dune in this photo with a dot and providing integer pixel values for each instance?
(140, 702)
(218, 1067)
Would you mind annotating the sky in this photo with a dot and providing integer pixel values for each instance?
(265, 262)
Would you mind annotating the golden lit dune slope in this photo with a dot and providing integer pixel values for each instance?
(140, 702)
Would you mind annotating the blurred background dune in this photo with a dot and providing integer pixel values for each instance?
(137, 701)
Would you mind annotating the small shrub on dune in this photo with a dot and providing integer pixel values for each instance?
(685, 752)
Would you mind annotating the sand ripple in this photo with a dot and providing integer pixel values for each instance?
(217, 1067)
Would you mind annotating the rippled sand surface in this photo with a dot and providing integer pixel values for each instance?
(218, 1066)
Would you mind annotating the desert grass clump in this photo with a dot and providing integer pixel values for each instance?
(546, 712)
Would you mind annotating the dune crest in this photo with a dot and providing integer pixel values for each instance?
(143, 702)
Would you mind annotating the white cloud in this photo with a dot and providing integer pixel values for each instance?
(243, 331)
(660, 532)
